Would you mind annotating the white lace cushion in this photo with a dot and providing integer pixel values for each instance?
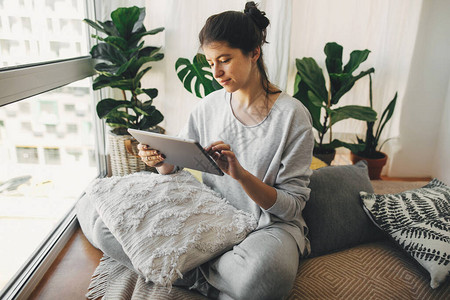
(168, 224)
(419, 221)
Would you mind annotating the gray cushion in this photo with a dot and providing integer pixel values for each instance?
(334, 213)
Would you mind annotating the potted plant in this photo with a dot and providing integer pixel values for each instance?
(197, 73)
(311, 90)
(121, 62)
(367, 148)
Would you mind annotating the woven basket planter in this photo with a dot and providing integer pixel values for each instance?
(124, 158)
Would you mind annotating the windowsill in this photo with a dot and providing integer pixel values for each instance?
(70, 274)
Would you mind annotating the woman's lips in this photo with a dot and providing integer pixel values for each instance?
(224, 82)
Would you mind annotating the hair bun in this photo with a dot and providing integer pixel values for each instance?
(259, 17)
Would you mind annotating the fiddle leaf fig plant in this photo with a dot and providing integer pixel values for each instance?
(121, 62)
(196, 76)
(311, 89)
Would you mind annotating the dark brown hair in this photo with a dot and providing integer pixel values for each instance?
(242, 30)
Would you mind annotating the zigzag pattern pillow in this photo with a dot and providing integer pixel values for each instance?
(419, 220)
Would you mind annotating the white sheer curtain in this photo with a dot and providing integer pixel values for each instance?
(300, 28)
(387, 28)
(183, 20)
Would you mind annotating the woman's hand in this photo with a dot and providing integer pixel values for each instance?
(151, 157)
(226, 159)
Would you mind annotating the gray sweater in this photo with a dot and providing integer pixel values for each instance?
(278, 151)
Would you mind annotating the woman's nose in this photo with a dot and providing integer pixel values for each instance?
(217, 71)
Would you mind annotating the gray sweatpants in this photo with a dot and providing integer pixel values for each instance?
(263, 266)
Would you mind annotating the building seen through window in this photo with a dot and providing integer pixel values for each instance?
(47, 141)
(40, 30)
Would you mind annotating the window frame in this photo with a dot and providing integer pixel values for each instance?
(43, 77)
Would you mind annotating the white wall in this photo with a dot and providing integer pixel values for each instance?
(441, 158)
(422, 111)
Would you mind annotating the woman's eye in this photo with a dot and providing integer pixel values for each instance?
(225, 61)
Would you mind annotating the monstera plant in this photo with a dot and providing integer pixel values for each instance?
(196, 76)
(311, 89)
(121, 63)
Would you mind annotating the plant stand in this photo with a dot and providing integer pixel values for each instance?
(375, 165)
(124, 158)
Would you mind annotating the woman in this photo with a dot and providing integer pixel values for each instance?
(262, 140)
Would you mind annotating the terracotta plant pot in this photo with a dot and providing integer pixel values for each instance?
(375, 165)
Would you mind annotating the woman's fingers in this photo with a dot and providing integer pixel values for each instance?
(151, 157)
(217, 147)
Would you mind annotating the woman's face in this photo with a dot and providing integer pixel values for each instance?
(231, 68)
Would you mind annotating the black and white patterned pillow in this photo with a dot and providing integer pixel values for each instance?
(419, 220)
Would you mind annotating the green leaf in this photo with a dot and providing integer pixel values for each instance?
(136, 37)
(122, 114)
(106, 69)
(355, 148)
(385, 117)
(356, 58)
(142, 61)
(108, 53)
(314, 100)
(114, 82)
(357, 112)
(301, 94)
(139, 25)
(94, 25)
(117, 122)
(139, 112)
(148, 107)
(137, 79)
(311, 74)
(347, 84)
(124, 19)
(333, 51)
(152, 93)
(336, 83)
(117, 41)
(197, 73)
(109, 28)
(148, 51)
(126, 66)
(105, 106)
(149, 121)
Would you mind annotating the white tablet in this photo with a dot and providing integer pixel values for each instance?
(179, 152)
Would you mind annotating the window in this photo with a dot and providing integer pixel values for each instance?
(26, 155)
(52, 156)
(76, 154)
(72, 128)
(43, 171)
(24, 107)
(69, 107)
(26, 126)
(50, 128)
(31, 33)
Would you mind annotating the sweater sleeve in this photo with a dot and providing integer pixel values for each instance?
(293, 177)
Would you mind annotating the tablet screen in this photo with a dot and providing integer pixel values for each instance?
(180, 152)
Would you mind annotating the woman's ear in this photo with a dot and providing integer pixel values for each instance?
(256, 53)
